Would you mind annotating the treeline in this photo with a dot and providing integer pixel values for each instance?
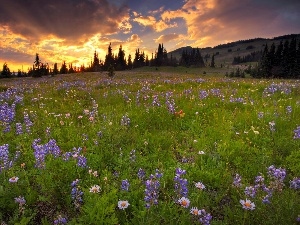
(112, 62)
(281, 61)
(252, 57)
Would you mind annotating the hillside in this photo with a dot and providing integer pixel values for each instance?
(224, 53)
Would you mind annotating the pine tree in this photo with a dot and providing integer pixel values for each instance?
(36, 70)
(63, 69)
(96, 63)
(121, 62)
(129, 62)
(55, 69)
(5, 73)
(109, 58)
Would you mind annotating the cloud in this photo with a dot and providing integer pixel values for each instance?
(63, 18)
(167, 37)
(150, 21)
(211, 22)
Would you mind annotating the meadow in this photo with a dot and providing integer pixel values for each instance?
(149, 147)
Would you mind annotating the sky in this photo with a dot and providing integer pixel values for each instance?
(72, 30)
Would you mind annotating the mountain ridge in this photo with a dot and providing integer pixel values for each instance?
(225, 53)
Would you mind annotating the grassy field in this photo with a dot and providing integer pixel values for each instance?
(165, 146)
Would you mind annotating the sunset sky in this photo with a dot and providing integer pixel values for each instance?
(71, 30)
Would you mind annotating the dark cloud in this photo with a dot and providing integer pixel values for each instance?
(259, 16)
(8, 55)
(71, 19)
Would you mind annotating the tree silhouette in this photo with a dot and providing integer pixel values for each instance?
(5, 73)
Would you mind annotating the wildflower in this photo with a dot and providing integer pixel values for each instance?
(76, 194)
(289, 109)
(248, 205)
(200, 185)
(297, 133)
(95, 173)
(180, 114)
(19, 128)
(141, 173)
(81, 161)
(295, 183)
(125, 185)
(60, 220)
(266, 199)
(272, 126)
(195, 211)
(22, 165)
(184, 202)
(152, 190)
(201, 152)
(180, 183)
(237, 180)
(250, 191)
(20, 200)
(123, 204)
(13, 179)
(260, 115)
(95, 189)
(205, 217)
(125, 121)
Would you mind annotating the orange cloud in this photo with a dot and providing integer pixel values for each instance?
(168, 37)
(150, 21)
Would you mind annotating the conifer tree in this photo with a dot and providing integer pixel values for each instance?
(63, 69)
(5, 73)
(121, 62)
(55, 69)
(129, 62)
(109, 58)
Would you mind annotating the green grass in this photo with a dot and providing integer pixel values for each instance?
(85, 111)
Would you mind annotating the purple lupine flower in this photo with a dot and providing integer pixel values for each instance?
(297, 133)
(21, 200)
(152, 190)
(289, 109)
(41, 151)
(76, 194)
(276, 173)
(60, 220)
(155, 101)
(250, 191)
(277, 176)
(181, 184)
(28, 122)
(295, 183)
(81, 161)
(125, 120)
(266, 199)
(237, 180)
(125, 185)
(4, 160)
(141, 174)
(205, 217)
(272, 126)
(5, 163)
(203, 94)
(19, 128)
